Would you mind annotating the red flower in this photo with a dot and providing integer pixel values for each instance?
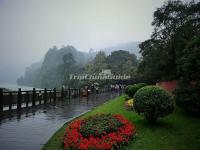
(74, 139)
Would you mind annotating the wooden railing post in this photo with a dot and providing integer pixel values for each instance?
(62, 93)
(1, 100)
(27, 99)
(76, 92)
(10, 100)
(79, 92)
(69, 92)
(34, 97)
(40, 97)
(54, 94)
(50, 96)
(45, 95)
(19, 98)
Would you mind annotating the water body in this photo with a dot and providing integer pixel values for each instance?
(31, 129)
(14, 87)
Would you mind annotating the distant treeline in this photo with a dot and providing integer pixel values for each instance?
(58, 64)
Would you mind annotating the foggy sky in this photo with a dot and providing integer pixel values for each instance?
(28, 28)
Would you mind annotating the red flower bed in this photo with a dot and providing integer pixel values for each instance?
(74, 139)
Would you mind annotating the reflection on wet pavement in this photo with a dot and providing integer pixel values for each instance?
(30, 129)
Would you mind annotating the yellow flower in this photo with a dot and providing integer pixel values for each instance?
(130, 102)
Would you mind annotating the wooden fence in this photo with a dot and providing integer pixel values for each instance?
(24, 99)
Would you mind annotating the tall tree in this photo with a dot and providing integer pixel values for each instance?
(175, 24)
(96, 65)
(122, 62)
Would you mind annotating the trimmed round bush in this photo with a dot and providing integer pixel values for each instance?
(99, 125)
(153, 102)
(126, 97)
(127, 88)
(134, 88)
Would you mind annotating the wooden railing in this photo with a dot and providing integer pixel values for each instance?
(24, 99)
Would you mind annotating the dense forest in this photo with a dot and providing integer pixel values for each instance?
(51, 71)
(166, 55)
(54, 70)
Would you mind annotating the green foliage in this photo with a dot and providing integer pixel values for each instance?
(68, 59)
(187, 95)
(119, 62)
(177, 131)
(99, 124)
(55, 69)
(126, 97)
(188, 91)
(127, 89)
(153, 102)
(97, 64)
(174, 49)
(122, 62)
(58, 64)
(188, 64)
(175, 24)
(134, 88)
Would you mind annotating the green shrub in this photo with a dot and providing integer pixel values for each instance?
(99, 125)
(187, 94)
(134, 88)
(188, 97)
(127, 88)
(127, 97)
(153, 102)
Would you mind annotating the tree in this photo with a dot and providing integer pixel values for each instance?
(174, 49)
(153, 102)
(122, 62)
(188, 92)
(96, 65)
(68, 59)
(175, 24)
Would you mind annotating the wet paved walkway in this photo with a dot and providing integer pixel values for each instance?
(31, 129)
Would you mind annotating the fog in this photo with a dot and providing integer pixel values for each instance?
(28, 28)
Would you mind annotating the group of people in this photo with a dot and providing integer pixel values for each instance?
(87, 90)
(114, 88)
(117, 88)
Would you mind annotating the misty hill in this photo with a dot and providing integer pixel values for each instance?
(57, 64)
(132, 47)
(48, 72)
(54, 56)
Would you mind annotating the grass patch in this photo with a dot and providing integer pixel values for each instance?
(177, 131)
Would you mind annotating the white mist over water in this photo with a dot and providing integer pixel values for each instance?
(15, 87)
